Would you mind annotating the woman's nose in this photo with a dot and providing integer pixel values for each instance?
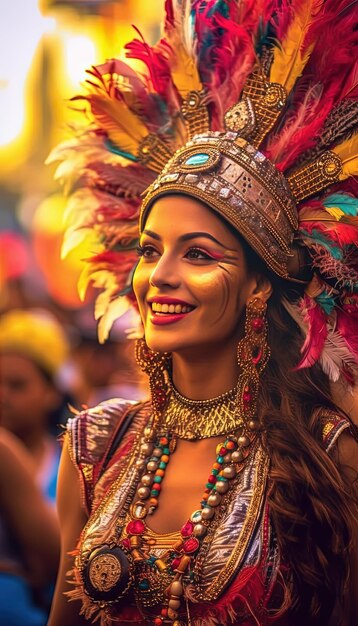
(165, 273)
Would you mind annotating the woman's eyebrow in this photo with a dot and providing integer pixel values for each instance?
(186, 236)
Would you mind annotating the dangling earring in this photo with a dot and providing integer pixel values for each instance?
(156, 365)
(253, 354)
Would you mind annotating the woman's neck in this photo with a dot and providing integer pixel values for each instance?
(204, 376)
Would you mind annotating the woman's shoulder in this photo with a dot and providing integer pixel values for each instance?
(92, 430)
(96, 434)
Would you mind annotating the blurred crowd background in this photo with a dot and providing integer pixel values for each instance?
(50, 359)
(45, 48)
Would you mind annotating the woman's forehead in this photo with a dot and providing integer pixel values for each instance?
(179, 214)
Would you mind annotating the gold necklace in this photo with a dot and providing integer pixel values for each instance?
(200, 419)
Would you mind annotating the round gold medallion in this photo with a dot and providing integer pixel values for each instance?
(104, 572)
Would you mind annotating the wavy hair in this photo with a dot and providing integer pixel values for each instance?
(309, 499)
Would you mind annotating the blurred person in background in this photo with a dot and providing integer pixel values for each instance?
(99, 371)
(33, 349)
(29, 538)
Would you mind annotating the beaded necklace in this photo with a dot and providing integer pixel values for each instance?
(175, 565)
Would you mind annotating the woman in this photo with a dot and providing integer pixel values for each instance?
(230, 497)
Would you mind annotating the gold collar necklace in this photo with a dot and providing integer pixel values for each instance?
(200, 419)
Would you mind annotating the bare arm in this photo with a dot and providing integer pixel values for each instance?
(72, 520)
(33, 520)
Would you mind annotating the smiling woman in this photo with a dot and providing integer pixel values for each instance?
(230, 496)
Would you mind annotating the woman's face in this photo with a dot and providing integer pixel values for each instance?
(191, 282)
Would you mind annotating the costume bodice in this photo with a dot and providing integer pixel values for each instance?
(234, 579)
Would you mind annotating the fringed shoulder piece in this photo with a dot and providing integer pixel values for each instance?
(333, 425)
(91, 435)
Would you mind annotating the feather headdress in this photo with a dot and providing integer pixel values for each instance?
(272, 86)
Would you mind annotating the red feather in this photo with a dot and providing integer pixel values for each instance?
(316, 335)
(347, 325)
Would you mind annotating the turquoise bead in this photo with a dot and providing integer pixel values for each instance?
(162, 465)
(209, 485)
(144, 584)
(220, 459)
(158, 479)
(197, 159)
(166, 451)
(222, 478)
(215, 472)
(154, 493)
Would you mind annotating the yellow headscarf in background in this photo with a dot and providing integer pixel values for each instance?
(36, 334)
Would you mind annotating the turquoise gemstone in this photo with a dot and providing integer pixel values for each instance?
(220, 460)
(166, 451)
(158, 479)
(162, 465)
(198, 159)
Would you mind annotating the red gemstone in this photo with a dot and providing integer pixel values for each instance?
(175, 563)
(246, 398)
(187, 529)
(135, 527)
(257, 324)
(126, 544)
(191, 545)
(223, 451)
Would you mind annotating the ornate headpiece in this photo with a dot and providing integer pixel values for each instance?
(250, 107)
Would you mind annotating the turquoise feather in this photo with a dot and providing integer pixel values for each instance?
(326, 302)
(113, 148)
(345, 203)
(317, 237)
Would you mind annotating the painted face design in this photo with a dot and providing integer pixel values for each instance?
(191, 282)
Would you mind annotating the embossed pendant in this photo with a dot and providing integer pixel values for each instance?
(107, 575)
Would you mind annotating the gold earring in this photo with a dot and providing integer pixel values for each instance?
(253, 354)
(156, 365)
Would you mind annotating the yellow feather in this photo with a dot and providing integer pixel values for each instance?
(336, 212)
(184, 72)
(123, 127)
(348, 153)
(289, 60)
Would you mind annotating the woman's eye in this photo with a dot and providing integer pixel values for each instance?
(197, 254)
(147, 251)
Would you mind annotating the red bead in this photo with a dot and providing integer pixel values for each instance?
(135, 527)
(222, 451)
(212, 479)
(164, 612)
(163, 441)
(158, 621)
(247, 398)
(126, 543)
(191, 545)
(175, 563)
(187, 529)
(257, 324)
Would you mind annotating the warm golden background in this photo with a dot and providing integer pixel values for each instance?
(45, 47)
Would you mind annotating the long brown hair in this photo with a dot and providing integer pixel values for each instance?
(310, 502)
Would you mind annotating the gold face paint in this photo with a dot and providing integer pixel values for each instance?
(191, 282)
